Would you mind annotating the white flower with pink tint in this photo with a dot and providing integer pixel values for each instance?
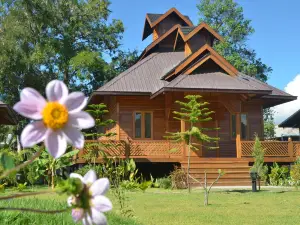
(89, 205)
(59, 120)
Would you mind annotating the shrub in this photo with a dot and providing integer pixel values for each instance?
(295, 175)
(164, 182)
(130, 185)
(179, 178)
(2, 188)
(279, 175)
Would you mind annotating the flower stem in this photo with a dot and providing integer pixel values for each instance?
(17, 168)
(24, 195)
(34, 210)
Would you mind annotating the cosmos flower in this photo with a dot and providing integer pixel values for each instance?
(89, 205)
(59, 120)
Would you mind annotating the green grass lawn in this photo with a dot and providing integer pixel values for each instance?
(164, 207)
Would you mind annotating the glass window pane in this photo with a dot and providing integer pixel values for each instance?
(244, 126)
(147, 125)
(233, 126)
(138, 125)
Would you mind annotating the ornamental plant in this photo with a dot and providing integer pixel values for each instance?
(56, 122)
(193, 112)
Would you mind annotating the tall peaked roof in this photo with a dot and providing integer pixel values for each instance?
(188, 32)
(198, 68)
(153, 19)
(153, 44)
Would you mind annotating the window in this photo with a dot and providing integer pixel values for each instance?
(233, 126)
(143, 125)
(244, 126)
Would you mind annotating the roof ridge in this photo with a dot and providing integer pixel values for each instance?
(123, 74)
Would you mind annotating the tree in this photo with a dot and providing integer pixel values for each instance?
(258, 166)
(269, 124)
(193, 112)
(42, 40)
(226, 17)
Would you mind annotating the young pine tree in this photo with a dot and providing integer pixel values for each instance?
(192, 113)
(258, 166)
(94, 149)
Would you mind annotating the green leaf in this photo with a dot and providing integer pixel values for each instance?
(7, 161)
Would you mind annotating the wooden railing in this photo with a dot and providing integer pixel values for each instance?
(272, 148)
(136, 148)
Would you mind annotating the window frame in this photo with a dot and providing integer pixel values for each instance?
(247, 129)
(143, 125)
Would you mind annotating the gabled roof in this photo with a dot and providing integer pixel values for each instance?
(144, 76)
(197, 57)
(144, 79)
(7, 115)
(188, 32)
(152, 45)
(292, 121)
(153, 19)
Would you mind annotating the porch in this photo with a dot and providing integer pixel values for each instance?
(168, 151)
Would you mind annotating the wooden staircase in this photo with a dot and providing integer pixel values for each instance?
(236, 171)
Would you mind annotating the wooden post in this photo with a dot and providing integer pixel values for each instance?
(217, 144)
(290, 148)
(118, 122)
(238, 135)
(182, 125)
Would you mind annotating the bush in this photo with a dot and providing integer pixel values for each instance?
(164, 182)
(295, 175)
(279, 175)
(178, 178)
(130, 185)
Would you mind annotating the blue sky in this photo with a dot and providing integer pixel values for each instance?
(276, 23)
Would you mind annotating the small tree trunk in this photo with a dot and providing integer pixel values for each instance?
(189, 161)
(52, 178)
(205, 198)
(188, 169)
(259, 183)
(205, 190)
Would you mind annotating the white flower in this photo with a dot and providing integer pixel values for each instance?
(93, 198)
(60, 119)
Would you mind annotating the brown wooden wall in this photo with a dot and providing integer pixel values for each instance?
(129, 104)
(162, 108)
(255, 118)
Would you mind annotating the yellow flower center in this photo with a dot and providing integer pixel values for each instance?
(55, 115)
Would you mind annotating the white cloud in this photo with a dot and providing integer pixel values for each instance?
(283, 111)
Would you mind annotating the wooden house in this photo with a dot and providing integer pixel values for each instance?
(7, 115)
(181, 60)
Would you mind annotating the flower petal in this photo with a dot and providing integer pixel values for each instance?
(87, 220)
(77, 214)
(98, 217)
(56, 144)
(81, 120)
(90, 177)
(99, 187)
(31, 104)
(75, 102)
(101, 203)
(74, 137)
(56, 91)
(33, 133)
(76, 175)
